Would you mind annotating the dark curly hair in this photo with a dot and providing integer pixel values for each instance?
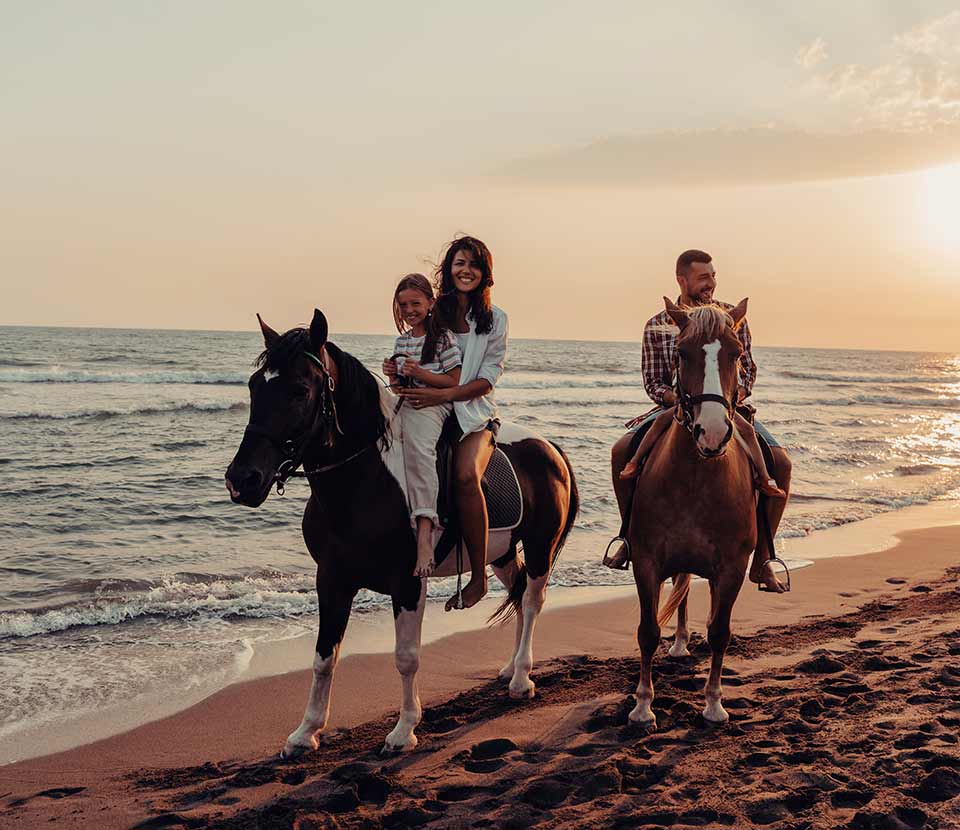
(481, 309)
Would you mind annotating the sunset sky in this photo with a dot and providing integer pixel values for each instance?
(188, 164)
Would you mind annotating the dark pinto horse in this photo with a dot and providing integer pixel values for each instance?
(314, 404)
(694, 510)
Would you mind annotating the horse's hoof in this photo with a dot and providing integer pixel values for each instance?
(524, 692)
(683, 651)
(290, 753)
(643, 716)
(506, 674)
(715, 714)
(395, 749)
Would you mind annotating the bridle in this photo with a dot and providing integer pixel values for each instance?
(686, 402)
(292, 449)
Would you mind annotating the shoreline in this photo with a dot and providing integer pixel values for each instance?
(247, 722)
(371, 636)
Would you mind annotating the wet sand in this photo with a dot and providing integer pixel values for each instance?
(844, 698)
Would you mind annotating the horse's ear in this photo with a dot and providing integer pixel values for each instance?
(318, 330)
(677, 314)
(269, 335)
(739, 313)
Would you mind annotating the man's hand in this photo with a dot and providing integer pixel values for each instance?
(419, 397)
(669, 398)
(742, 394)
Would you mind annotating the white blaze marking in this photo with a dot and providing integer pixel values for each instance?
(270, 374)
(713, 415)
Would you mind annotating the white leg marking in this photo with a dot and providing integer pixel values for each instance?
(507, 575)
(306, 735)
(643, 712)
(713, 415)
(713, 711)
(533, 597)
(408, 627)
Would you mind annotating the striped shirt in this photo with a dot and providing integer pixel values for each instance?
(659, 347)
(446, 357)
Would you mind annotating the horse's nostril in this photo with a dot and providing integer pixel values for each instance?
(249, 480)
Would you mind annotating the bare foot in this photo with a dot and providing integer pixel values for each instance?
(618, 559)
(769, 579)
(630, 469)
(425, 563)
(475, 591)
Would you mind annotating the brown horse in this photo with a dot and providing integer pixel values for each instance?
(314, 404)
(694, 510)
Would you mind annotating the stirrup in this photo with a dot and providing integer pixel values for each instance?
(786, 570)
(609, 562)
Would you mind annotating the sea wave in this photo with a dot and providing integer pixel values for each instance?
(102, 414)
(56, 374)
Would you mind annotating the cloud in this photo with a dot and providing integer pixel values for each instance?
(917, 89)
(812, 54)
(763, 155)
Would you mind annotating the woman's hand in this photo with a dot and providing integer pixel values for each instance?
(390, 368)
(419, 397)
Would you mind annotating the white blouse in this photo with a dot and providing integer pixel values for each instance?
(483, 358)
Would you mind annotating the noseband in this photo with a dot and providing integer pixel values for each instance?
(686, 403)
(292, 449)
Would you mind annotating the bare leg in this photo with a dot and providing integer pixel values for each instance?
(472, 456)
(760, 568)
(408, 625)
(682, 637)
(507, 575)
(425, 562)
(648, 636)
(521, 685)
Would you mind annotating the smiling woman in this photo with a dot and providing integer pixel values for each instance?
(939, 205)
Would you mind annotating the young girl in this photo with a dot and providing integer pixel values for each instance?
(748, 440)
(427, 356)
(464, 279)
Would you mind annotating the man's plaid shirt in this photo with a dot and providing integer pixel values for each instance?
(659, 346)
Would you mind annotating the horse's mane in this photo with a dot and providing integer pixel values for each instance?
(361, 409)
(707, 322)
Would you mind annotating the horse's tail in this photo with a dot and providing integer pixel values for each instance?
(513, 604)
(679, 593)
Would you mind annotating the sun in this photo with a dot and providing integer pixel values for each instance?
(939, 207)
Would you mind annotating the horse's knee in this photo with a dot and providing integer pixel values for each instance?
(407, 660)
(648, 637)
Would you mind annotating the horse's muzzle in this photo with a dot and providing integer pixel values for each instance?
(247, 486)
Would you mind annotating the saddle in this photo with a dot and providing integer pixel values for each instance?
(500, 485)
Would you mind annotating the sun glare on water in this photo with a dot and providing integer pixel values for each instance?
(940, 206)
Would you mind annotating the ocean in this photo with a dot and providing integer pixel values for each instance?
(126, 573)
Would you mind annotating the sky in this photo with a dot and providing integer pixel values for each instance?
(186, 165)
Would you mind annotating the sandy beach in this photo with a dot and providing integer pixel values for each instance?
(844, 698)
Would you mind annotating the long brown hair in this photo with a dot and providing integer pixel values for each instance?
(481, 309)
(434, 329)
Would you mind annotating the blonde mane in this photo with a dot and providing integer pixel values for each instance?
(707, 322)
